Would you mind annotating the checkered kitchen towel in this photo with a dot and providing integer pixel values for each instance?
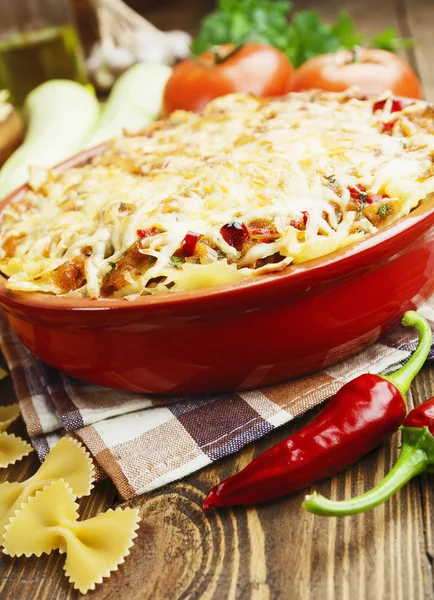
(143, 443)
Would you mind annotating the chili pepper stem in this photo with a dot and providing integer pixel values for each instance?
(411, 462)
(404, 376)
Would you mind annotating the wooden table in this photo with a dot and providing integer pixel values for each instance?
(276, 551)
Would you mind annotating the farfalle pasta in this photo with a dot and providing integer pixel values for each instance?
(94, 548)
(40, 515)
(12, 448)
(249, 186)
(68, 460)
(8, 414)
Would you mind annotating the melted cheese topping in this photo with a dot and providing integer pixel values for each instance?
(299, 176)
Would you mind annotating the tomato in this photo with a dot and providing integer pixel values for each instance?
(254, 68)
(373, 71)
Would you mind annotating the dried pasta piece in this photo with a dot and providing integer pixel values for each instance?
(93, 548)
(12, 448)
(67, 460)
(8, 414)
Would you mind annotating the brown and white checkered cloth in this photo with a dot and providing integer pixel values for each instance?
(143, 442)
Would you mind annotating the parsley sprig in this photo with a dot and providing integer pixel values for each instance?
(300, 35)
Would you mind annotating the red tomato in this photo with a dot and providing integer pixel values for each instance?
(373, 71)
(254, 68)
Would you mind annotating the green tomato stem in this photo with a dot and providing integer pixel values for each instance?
(404, 376)
(219, 60)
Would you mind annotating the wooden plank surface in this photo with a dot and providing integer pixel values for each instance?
(275, 551)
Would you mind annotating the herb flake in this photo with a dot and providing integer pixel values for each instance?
(384, 210)
(177, 261)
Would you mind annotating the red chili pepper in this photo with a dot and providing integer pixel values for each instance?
(416, 456)
(422, 416)
(235, 234)
(189, 242)
(365, 412)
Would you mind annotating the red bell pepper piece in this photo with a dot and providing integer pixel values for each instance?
(358, 192)
(144, 233)
(387, 126)
(235, 234)
(396, 106)
(189, 242)
(365, 412)
(416, 456)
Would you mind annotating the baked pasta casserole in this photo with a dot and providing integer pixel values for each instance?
(248, 187)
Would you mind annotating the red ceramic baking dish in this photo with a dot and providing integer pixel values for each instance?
(267, 329)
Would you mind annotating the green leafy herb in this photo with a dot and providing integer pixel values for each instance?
(384, 210)
(177, 261)
(388, 40)
(300, 38)
(241, 21)
(112, 266)
(311, 36)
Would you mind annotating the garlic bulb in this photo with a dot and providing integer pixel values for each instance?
(127, 38)
(5, 108)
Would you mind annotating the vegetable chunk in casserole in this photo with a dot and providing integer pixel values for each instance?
(250, 186)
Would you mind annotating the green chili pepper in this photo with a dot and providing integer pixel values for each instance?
(416, 456)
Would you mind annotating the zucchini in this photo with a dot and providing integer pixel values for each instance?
(135, 100)
(59, 115)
